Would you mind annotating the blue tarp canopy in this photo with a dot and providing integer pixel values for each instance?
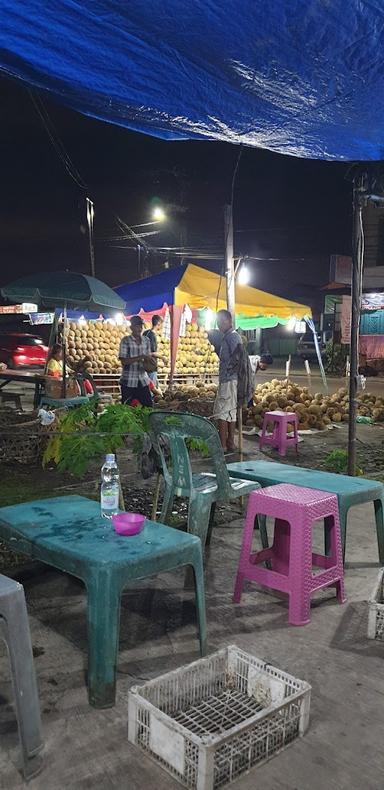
(153, 292)
(301, 77)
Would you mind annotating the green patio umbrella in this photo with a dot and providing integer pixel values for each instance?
(63, 290)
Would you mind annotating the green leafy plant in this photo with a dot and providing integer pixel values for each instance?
(337, 461)
(335, 358)
(82, 435)
(198, 446)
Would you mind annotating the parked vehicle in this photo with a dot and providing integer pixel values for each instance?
(306, 347)
(21, 350)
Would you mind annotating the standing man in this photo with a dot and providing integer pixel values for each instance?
(225, 409)
(134, 349)
(151, 334)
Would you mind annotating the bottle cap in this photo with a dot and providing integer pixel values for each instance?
(110, 458)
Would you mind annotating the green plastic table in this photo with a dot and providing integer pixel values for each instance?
(350, 490)
(70, 534)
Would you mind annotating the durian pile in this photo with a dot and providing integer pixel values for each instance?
(96, 345)
(195, 353)
(163, 348)
(314, 411)
(196, 399)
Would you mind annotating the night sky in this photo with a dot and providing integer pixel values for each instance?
(298, 211)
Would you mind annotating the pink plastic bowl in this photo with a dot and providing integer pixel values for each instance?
(128, 523)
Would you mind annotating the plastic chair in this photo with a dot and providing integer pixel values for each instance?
(279, 437)
(68, 403)
(204, 489)
(295, 509)
(14, 630)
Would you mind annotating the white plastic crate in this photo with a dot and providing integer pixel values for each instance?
(211, 721)
(376, 609)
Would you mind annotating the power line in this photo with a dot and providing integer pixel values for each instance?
(57, 143)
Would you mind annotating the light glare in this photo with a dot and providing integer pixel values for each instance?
(244, 275)
(291, 324)
(159, 214)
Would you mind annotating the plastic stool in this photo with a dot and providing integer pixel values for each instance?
(14, 630)
(279, 437)
(295, 509)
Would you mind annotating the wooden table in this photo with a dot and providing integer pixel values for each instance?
(350, 491)
(38, 379)
(70, 534)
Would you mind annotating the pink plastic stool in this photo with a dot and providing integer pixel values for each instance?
(279, 437)
(295, 509)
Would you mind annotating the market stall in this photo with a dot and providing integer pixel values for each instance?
(190, 288)
(187, 298)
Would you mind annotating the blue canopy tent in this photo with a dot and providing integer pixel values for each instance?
(152, 293)
(297, 77)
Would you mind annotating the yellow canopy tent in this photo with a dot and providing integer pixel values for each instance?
(202, 288)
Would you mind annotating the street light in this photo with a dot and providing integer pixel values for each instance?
(159, 214)
(242, 272)
(244, 275)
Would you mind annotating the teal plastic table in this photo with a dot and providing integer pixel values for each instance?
(69, 533)
(350, 490)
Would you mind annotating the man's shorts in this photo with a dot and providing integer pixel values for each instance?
(225, 407)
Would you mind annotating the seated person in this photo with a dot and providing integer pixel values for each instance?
(55, 363)
(55, 368)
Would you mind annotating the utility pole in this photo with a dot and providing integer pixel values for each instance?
(359, 200)
(229, 262)
(367, 186)
(90, 215)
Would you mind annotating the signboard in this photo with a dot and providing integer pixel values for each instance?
(346, 319)
(10, 309)
(340, 269)
(372, 302)
(18, 309)
(37, 319)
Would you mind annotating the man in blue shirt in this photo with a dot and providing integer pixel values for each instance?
(225, 409)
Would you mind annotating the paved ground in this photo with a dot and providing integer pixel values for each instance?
(85, 748)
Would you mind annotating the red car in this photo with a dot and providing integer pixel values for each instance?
(19, 350)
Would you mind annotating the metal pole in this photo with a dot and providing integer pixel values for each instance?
(357, 271)
(333, 336)
(90, 215)
(229, 262)
(64, 342)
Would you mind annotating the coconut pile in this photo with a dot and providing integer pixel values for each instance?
(314, 411)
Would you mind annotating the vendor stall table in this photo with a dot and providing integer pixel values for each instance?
(350, 490)
(69, 533)
(37, 379)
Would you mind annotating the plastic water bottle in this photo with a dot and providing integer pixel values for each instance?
(109, 497)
